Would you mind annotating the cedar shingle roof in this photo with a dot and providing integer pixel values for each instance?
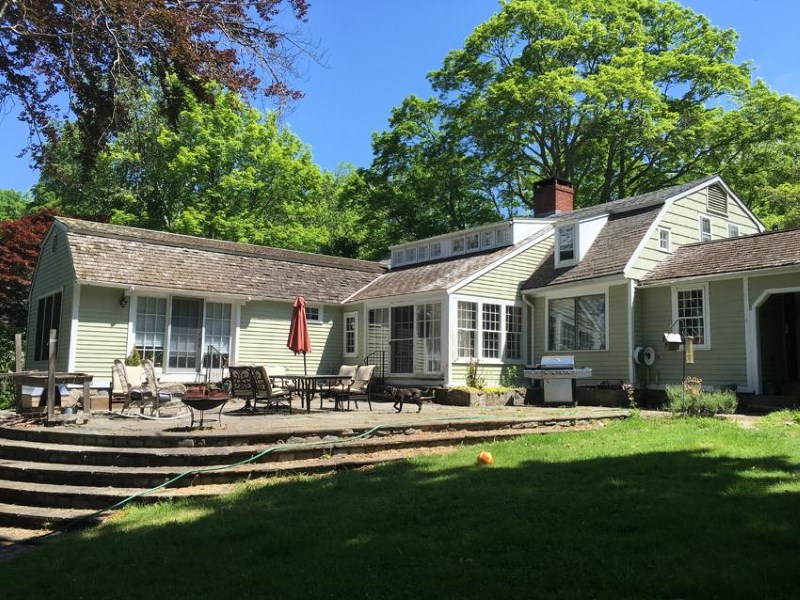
(128, 256)
(439, 275)
(608, 255)
(746, 253)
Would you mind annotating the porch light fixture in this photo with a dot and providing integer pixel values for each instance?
(123, 301)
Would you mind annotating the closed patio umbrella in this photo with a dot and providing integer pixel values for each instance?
(298, 331)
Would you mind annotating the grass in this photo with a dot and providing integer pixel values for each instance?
(672, 508)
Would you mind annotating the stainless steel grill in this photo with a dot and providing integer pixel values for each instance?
(558, 375)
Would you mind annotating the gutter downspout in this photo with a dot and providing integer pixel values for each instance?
(631, 365)
(531, 345)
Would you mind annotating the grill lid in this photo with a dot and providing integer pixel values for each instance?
(557, 362)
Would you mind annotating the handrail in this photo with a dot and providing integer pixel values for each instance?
(211, 364)
(378, 377)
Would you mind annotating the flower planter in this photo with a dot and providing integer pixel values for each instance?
(478, 397)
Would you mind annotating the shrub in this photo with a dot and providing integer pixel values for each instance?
(7, 363)
(704, 404)
(474, 375)
(134, 359)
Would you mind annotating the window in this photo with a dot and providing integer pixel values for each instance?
(401, 343)
(705, 228)
(313, 314)
(566, 244)
(577, 323)
(217, 335)
(487, 239)
(48, 316)
(411, 255)
(473, 241)
(436, 249)
(733, 230)
(689, 309)
(664, 239)
(378, 334)
(503, 236)
(151, 325)
(489, 330)
(458, 245)
(467, 328)
(513, 346)
(350, 333)
(397, 258)
(428, 342)
(422, 252)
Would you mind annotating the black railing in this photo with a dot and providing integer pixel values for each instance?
(215, 363)
(377, 358)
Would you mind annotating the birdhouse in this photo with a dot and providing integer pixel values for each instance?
(673, 341)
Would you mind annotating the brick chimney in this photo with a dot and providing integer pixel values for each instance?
(552, 196)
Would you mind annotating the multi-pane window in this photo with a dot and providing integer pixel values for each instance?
(313, 314)
(436, 249)
(378, 336)
(490, 331)
(48, 316)
(503, 236)
(422, 252)
(664, 239)
(513, 346)
(705, 228)
(733, 230)
(487, 239)
(691, 308)
(473, 241)
(401, 343)
(577, 323)
(467, 328)
(151, 326)
(566, 243)
(458, 245)
(411, 255)
(350, 334)
(428, 341)
(217, 334)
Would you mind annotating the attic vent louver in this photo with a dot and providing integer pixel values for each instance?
(717, 200)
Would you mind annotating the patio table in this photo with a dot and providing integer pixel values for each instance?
(307, 385)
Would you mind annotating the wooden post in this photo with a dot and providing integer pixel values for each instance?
(51, 375)
(18, 368)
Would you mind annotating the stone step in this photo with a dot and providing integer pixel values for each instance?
(43, 517)
(304, 449)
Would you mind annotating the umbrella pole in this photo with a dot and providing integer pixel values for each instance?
(305, 370)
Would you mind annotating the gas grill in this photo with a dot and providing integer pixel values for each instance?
(558, 375)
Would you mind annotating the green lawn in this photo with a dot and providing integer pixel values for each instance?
(642, 509)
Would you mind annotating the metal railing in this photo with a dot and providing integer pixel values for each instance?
(215, 364)
(377, 358)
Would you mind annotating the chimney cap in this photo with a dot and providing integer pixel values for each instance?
(551, 181)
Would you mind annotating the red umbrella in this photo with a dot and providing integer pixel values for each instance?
(298, 331)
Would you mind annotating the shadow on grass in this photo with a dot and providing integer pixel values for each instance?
(682, 524)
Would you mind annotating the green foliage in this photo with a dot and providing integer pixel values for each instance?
(704, 404)
(510, 376)
(474, 377)
(12, 204)
(227, 172)
(7, 363)
(134, 359)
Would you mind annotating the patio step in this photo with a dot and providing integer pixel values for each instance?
(47, 518)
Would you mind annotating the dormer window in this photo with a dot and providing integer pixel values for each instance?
(436, 250)
(397, 258)
(473, 242)
(458, 245)
(566, 250)
(411, 255)
(503, 236)
(422, 252)
(487, 239)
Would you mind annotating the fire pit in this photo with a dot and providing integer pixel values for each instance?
(203, 399)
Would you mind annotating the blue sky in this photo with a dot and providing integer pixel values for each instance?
(377, 52)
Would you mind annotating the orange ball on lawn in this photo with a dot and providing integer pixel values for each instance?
(485, 458)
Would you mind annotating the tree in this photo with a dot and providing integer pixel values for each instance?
(227, 172)
(12, 204)
(100, 53)
(19, 249)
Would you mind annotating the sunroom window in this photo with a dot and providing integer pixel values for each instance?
(489, 330)
(411, 337)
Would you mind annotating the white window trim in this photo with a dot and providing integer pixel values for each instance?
(706, 345)
(321, 318)
(659, 229)
(480, 301)
(577, 293)
(345, 316)
(575, 246)
(738, 230)
(700, 218)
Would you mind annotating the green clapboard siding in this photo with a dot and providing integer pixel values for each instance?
(765, 283)
(723, 364)
(264, 329)
(493, 375)
(610, 365)
(682, 220)
(54, 273)
(504, 281)
(102, 331)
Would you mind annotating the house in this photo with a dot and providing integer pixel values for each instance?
(597, 282)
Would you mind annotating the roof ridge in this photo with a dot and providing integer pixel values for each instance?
(167, 238)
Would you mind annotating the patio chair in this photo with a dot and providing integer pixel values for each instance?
(252, 384)
(359, 389)
(340, 384)
(132, 394)
(164, 394)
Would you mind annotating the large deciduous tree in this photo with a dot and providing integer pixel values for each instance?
(227, 172)
(617, 96)
(100, 52)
